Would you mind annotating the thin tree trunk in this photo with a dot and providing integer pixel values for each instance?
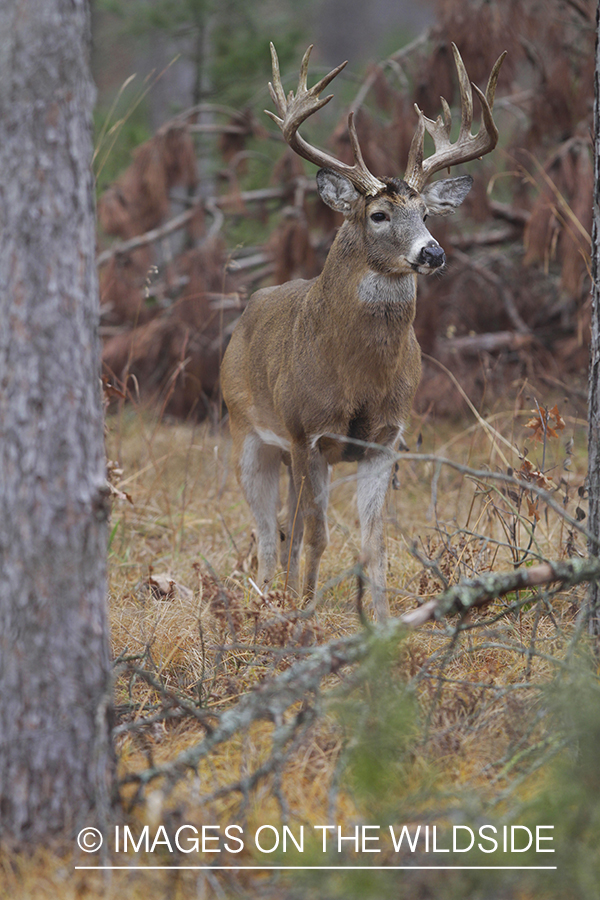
(56, 761)
(594, 372)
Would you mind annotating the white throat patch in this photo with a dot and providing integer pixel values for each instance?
(388, 289)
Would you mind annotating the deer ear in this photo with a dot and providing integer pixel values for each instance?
(442, 197)
(336, 190)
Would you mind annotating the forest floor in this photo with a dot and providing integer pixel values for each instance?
(185, 612)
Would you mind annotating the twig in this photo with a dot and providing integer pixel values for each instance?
(479, 474)
(394, 63)
(180, 702)
(269, 702)
(475, 592)
(586, 14)
(489, 342)
(275, 696)
(214, 205)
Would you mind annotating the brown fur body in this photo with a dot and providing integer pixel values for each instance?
(318, 369)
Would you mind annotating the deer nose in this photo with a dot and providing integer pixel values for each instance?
(432, 255)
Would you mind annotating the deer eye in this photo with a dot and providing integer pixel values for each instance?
(379, 217)
(425, 217)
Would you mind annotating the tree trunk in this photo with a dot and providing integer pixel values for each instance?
(56, 761)
(593, 482)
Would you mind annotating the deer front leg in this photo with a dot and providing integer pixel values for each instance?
(310, 472)
(258, 472)
(374, 474)
(294, 530)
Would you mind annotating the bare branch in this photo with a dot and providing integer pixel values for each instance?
(213, 205)
(269, 701)
(475, 592)
(275, 696)
(489, 342)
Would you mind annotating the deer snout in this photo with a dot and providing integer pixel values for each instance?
(432, 255)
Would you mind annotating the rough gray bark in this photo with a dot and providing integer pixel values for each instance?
(56, 761)
(593, 483)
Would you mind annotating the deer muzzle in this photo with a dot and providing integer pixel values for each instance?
(432, 255)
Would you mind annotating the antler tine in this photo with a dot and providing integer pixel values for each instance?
(356, 151)
(467, 146)
(490, 91)
(487, 100)
(294, 109)
(303, 79)
(466, 95)
(414, 165)
(276, 87)
(320, 86)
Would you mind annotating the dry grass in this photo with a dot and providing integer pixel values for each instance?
(188, 521)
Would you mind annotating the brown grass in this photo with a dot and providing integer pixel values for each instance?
(189, 522)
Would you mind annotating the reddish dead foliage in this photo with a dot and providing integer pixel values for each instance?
(513, 302)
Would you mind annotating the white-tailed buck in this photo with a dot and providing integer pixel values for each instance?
(325, 370)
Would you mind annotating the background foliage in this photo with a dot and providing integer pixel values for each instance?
(513, 305)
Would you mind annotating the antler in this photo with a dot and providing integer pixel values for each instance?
(467, 146)
(293, 110)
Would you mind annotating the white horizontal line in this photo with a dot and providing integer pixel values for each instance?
(332, 868)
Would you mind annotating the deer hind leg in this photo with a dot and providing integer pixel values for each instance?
(293, 531)
(374, 474)
(258, 471)
(311, 482)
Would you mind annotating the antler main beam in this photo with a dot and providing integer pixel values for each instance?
(294, 109)
(467, 146)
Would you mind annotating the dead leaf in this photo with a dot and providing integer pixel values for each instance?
(540, 423)
(164, 587)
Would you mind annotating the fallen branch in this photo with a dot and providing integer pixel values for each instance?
(512, 214)
(485, 238)
(476, 592)
(149, 237)
(489, 342)
(180, 221)
(269, 701)
(274, 697)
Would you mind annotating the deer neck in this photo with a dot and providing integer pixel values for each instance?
(359, 287)
(391, 295)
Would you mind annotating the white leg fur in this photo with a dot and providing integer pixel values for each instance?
(311, 477)
(374, 475)
(259, 476)
(294, 531)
